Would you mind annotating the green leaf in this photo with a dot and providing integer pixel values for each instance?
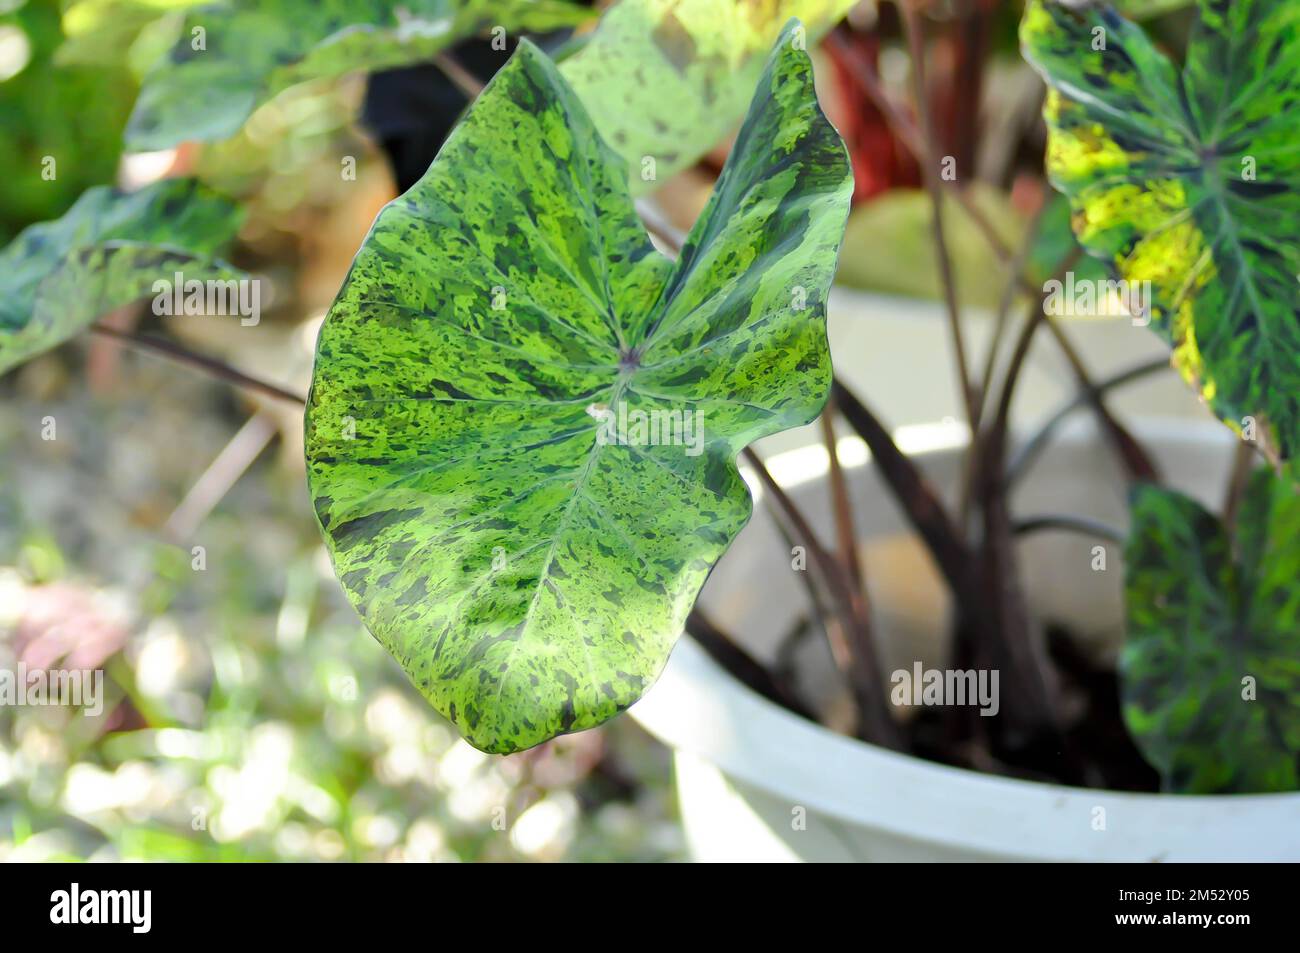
(530, 574)
(60, 128)
(1211, 665)
(254, 50)
(1190, 181)
(57, 277)
(668, 79)
(105, 32)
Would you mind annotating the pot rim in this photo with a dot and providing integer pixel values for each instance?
(698, 707)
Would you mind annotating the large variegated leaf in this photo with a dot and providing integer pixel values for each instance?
(527, 558)
(665, 80)
(1190, 180)
(57, 277)
(1211, 667)
(254, 49)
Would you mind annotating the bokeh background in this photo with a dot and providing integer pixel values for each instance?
(249, 716)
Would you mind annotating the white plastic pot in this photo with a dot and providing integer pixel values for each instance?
(756, 782)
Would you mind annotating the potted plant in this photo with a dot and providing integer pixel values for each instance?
(527, 421)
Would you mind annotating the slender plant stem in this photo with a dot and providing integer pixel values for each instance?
(726, 651)
(1033, 681)
(221, 475)
(908, 134)
(899, 122)
(1070, 524)
(990, 364)
(802, 529)
(208, 365)
(460, 77)
(783, 661)
(1030, 451)
(1036, 315)
(1135, 459)
(856, 651)
(657, 225)
(921, 504)
(846, 541)
(989, 444)
(930, 174)
(1005, 306)
(834, 624)
(846, 535)
(1002, 419)
(1243, 465)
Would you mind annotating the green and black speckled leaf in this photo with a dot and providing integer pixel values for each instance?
(57, 277)
(1157, 165)
(670, 79)
(1205, 612)
(530, 577)
(258, 48)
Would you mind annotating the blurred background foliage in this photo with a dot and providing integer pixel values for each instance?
(247, 716)
(250, 717)
(74, 115)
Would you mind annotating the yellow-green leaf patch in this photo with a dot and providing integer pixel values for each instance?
(1187, 182)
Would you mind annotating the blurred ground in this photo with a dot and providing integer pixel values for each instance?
(249, 715)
